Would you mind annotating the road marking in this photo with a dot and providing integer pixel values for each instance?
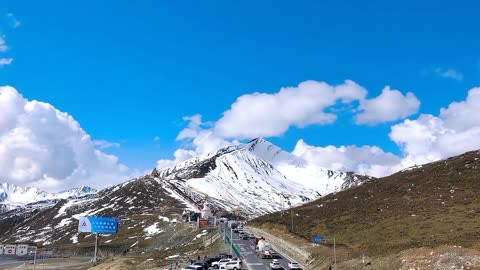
(253, 264)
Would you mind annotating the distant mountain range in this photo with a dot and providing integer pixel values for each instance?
(13, 196)
(258, 177)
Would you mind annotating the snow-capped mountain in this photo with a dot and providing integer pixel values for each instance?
(12, 196)
(257, 176)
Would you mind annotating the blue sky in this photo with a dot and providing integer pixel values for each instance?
(128, 71)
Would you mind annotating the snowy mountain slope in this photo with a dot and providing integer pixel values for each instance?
(140, 204)
(258, 176)
(12, 196)
(322, 180)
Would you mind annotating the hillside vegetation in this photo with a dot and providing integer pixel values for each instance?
(425, 206)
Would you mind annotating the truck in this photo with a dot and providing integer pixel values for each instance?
(264, 249)
(256, 241)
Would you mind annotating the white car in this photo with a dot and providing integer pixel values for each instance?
(233, 265)
(294, 265)
(219, 264)
(275, 264)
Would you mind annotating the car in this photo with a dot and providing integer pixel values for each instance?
(275, 264)
(193, 267)
(244, 237)
(294, 265)
(233, 265)
(221, 262)
(251, 236)
(211, 260)
(224, 256)
(202, 264)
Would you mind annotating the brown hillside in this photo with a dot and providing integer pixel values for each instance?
(438, 203)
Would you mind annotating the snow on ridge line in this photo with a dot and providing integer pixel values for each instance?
(177, 196)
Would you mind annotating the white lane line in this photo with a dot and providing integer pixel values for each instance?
(253, 264)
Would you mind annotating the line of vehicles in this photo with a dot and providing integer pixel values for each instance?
(263, 248)
(222, 262)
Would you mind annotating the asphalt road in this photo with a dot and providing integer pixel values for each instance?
(54, 263)
(253, 262)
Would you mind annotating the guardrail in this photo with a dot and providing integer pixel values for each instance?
(234, 248)
(284, 247)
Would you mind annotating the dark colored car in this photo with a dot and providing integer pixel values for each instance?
(224, 256)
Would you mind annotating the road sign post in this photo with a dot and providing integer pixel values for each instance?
(318, 239)
(104, 225)
(35, 259)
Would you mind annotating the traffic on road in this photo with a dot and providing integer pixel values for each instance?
(257, 253)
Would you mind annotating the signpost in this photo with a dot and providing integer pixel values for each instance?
(317, 239)
(104, 225)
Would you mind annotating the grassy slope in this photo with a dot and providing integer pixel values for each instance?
(436, 204)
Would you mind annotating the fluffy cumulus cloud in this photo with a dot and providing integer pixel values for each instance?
(428, 138)
(310, 103)
(454, 131)
(44, 147)
(265, 115)
(390, 105)
(369, 160)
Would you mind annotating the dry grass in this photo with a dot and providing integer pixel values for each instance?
(437, 204)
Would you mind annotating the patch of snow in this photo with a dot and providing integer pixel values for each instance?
(166, 219)
(152, 230)
(74, 239)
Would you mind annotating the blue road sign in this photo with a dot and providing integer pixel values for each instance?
(105, 225)
(317, 239)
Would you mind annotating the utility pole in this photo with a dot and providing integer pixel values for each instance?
(291, 214)
(231, 241)
(334, 253)
(96, 248)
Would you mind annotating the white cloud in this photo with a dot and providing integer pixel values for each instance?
(44, 147)
(194, 126)
(3, 45)
(266, 115)
(369, 160)
(179, 156)
(104, 144)
(350, 91)
(448, 74)
(311, 102)
(390, 105)
(5, 61)
(429, 138)
(13, 21)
